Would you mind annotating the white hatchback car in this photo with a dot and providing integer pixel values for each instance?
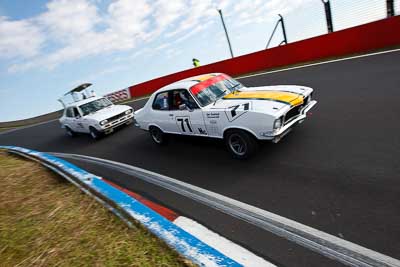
(93, 115)
(215, 105)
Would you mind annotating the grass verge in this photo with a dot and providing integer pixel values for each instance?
(45, 221)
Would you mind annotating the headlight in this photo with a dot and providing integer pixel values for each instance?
(103, 122)
(278, 123)
(129, 111)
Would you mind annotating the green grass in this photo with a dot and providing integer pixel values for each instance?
(3, 129)
(45, 221)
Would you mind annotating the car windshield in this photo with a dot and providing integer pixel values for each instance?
(94, 106)
(211, 90)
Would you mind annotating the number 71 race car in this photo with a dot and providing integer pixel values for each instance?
(215, 105)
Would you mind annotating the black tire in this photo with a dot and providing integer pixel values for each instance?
(96, 135)
(158, 136)
(241, 144)
(69, 132)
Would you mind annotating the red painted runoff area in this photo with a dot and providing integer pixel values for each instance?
(163, 211)
(359, 39)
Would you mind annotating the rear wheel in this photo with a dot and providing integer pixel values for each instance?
(241, 144)
(69, 132)
(158, 136)
(94, 133)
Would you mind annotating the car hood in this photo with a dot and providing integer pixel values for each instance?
(266, 99)
(108, 112)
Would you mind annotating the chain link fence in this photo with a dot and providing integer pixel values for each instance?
(313, 18)
(304, 19)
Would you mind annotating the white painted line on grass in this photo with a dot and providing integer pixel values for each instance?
(319, 63)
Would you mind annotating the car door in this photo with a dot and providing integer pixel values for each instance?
(68, 119)
(186, 117)
(77, 121)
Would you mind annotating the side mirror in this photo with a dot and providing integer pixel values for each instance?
(77, 116)
(185, 107)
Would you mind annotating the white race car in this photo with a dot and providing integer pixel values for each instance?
(93, 115)
(215, 105)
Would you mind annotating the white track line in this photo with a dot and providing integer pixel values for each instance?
(247, 76)
(320, 63)
(222, 244)
(44, 122)
(28, 126)
(326, 244)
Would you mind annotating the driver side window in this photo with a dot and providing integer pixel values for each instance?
(76, 112)
(182, 96)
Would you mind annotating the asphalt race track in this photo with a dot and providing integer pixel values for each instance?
(338, 172)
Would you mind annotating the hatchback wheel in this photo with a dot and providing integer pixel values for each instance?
(94, 133)
(69, 131)
(158, 136)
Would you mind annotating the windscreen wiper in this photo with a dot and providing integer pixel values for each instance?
(218, 97)
(233, 88)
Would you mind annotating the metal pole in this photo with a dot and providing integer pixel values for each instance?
(283, 28)
(226, 32)
(390, 8)
(328, 15)
(273, 32)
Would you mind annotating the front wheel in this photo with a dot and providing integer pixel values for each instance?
(241, 144)
(69, 131)
(94, 133)
(158, 136)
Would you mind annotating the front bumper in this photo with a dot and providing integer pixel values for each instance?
(125, 120)
(277, 135)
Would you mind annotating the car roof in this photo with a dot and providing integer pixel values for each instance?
(83, 101)
(187, 82)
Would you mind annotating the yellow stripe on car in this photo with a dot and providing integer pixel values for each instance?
(285, 97)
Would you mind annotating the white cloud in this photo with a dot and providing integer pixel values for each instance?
(77, 28)
(128, 18)
(197, 13)
(168, 11)
(192, 32)
(67, 20)
(19, 38)
(72, 24)
(263, 11)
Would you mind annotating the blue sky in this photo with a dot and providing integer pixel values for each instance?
(48, 47)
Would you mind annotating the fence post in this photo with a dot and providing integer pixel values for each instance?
(283, 29)
(328, 15)
(390, 8)
(226, 32)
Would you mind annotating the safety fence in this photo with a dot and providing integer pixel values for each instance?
(360, 39)
(119, 96)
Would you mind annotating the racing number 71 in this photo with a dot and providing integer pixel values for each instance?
(182, 121)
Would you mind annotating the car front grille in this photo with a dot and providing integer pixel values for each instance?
(116, 117)
(294, 112)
